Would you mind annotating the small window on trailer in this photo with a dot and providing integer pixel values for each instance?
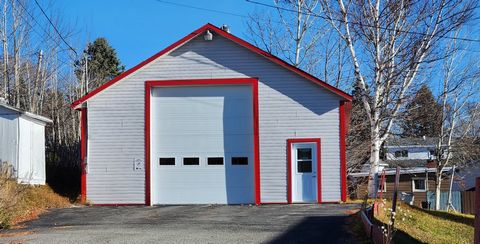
(419, 185)
(401, 154)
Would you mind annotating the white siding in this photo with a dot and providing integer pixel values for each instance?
(9, 138)
(413, 153)
(289, 106)
(31, 167)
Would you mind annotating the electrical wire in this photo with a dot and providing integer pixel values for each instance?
(361, 24)
(55, 28)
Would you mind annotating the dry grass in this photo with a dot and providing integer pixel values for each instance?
(428, 226)
(19, 202)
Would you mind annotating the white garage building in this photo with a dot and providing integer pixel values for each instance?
(22, 144)
(213, 119)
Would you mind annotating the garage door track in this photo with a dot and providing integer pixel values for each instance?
(191, 224)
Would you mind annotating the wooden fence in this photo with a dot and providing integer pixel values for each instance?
(468, 202)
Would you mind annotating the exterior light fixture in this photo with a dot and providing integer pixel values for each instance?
(208, 36)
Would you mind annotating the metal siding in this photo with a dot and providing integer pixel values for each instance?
(9, 138)
(31, 158)
(289, 107)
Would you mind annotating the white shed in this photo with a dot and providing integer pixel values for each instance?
(213, 119)
(22, 144)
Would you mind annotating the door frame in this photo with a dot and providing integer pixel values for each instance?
(290, 143)
(253, 82)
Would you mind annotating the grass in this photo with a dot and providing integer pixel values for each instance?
(19, 203)
(427, 226)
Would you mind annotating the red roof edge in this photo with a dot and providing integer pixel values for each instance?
(229, 36)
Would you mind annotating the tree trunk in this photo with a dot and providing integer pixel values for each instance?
(374, 165)
(438, 188)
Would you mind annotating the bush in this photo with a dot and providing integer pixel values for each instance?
(20, 202)
(10, 194)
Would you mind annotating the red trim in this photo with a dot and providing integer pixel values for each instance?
(83, 154)
(256, 141)
(226, 81)
(343, 157)
(289, 166)
(147, 144)
(230, 37)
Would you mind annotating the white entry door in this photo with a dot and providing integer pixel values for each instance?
(304, 172)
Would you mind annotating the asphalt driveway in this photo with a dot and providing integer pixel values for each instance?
(190, 224)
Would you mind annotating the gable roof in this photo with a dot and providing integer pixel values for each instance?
(224, 34)
(25, 113)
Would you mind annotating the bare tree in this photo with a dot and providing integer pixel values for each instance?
(293, 35)
(456, 145)
(389, 42)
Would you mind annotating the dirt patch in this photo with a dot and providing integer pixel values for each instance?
(16, 234)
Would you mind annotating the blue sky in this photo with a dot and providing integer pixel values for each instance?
(139, 29)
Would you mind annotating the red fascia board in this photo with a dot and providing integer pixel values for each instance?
(83, 154)
(229, 36)
(140, 65)
(200, 82)
(282, 63)
(343, 156)
(317, 141)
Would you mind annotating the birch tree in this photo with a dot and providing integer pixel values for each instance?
(389, 43)
(294, 32)
(459, 115)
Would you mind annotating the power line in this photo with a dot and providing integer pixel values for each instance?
(361, 24)
(55, 28)
(201, 8)
(37, 23)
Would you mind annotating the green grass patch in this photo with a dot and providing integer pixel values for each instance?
(427, 226)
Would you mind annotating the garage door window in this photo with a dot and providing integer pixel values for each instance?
(167, 161)
(215, 161)
(239, 160)
(191, 161)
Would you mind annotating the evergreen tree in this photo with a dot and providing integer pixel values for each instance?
(423, 116)
(102, 63)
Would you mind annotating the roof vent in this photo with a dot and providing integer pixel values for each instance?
(226, 28)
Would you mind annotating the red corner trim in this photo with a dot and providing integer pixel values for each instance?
(228, 36)
(317, 141)
(226, 81)
(83, 154)
(343, 158)
(147, 144)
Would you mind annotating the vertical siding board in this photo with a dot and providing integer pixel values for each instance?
(289, 107)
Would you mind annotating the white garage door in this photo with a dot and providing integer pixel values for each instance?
(202, 145)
